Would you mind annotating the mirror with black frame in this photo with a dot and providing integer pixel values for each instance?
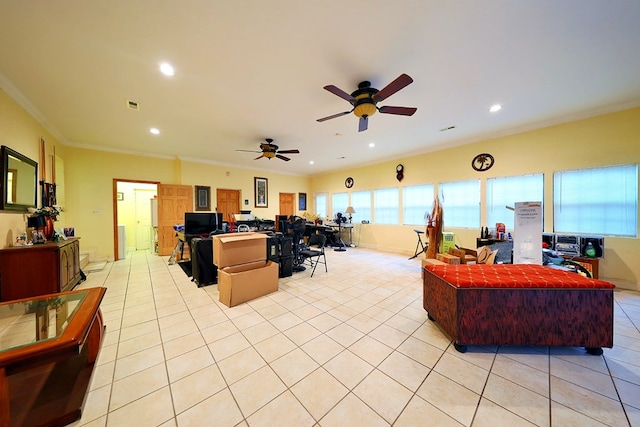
(19, 181)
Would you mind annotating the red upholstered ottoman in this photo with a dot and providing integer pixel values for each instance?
(519, 304)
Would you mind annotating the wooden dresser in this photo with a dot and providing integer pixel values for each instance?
(29, 271)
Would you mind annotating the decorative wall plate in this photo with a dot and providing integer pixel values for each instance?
(348, 182)
(482, 162)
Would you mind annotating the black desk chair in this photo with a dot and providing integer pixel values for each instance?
(314, 255)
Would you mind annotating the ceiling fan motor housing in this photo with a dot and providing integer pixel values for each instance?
(364, 105)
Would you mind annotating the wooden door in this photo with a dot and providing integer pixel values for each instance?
(287, 203)
(143, 218)
(227, 202)
(173, 202)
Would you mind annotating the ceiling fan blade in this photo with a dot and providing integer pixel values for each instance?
(286, 159)
(399, 83)
(363, 124)
(250, 151)
(344, 113)
(289, 151)
(259, 157)
(342, 94)
(403, 111)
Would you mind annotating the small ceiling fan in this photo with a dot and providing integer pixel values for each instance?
(365, 98)
(270, 150)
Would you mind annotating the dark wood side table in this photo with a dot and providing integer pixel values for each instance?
(31, 271)
(591, 264)
(48, 348)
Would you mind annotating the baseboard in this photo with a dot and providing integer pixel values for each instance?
(84, 261)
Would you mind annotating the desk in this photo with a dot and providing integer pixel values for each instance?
(488, 241)
(311, 228)
(340, 227)
(48, 347)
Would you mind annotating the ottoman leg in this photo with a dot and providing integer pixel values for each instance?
(460, 347)
(596, 351)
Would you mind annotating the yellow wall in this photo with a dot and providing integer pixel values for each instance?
(21, 132)
(230, 178)
(90, 200)
(85, 179)
(89, 194)
(599, 141)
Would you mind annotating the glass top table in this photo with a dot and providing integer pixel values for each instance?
(48, 349)
(37, 319)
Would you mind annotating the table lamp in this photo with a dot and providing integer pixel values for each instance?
(350, 211)
(37, 223)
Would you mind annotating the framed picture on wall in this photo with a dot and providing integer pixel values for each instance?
(203, 198)
(302, 201)
(261, 190)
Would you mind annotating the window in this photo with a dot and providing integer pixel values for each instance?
(385, 205)
(461, 203)
(321, 205)
(596, 201)
(417, 202)
(506, 191)
(361, 203)
(339, 203)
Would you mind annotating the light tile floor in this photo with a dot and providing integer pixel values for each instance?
(351, 347)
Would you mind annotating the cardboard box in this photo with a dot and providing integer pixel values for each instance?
(244, 282)
(239, 248)
(448, 241)
(429, 261)
(460, 253)
(449, 259)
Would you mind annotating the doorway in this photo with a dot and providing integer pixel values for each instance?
(227, 203)
(287, 203)
(132, 216)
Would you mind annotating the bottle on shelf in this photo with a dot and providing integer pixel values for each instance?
(590, 251)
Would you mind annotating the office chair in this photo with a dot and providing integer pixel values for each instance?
(296, 227)
(309, 254)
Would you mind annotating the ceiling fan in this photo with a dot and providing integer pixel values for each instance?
(365, 98)
(270, 150)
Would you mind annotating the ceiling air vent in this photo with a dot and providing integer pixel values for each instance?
(133, 105)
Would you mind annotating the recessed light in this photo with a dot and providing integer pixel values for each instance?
(167, 69)
(311, 162)
(495, 107)
(371, 145)
(154, 131)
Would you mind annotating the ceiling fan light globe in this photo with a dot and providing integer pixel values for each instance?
(365, 109)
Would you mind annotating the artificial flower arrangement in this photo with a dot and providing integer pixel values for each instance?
(311, 217)
(51, 211)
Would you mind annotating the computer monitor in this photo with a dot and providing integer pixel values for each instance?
(202, 222)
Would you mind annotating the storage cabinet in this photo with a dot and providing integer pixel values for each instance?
(28, 271)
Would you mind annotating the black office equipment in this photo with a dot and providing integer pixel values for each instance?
(201, 223)
(280, 250)
(202, 268)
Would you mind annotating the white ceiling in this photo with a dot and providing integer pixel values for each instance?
(253, 69)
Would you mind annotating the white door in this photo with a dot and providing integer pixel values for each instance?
(143, 218)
